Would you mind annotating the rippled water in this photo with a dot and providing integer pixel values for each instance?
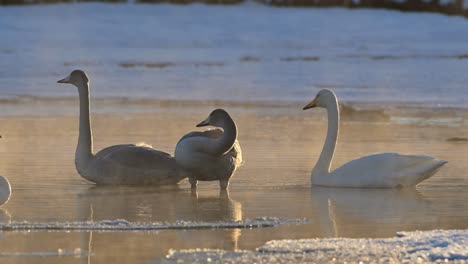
(241, 52)
(281, 145)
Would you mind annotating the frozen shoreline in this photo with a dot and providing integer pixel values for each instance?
(405, 247)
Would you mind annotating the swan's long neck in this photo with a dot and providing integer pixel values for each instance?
(223, 144)
(324, 163)
(84, 149)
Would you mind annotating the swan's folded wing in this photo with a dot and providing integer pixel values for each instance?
(132, 156)
(386, 170)
(212, 133)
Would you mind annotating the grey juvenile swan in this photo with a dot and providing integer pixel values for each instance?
(127, 164)
(212, 155)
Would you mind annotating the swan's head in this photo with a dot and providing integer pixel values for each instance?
(5, 190)
(216, 118)
(321, 99)
(76, 77)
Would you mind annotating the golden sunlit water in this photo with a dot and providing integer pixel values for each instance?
(280, 146)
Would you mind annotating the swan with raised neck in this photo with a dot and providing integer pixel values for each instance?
(213, 154)
(126, 164)
(84, 148)
(381, 170)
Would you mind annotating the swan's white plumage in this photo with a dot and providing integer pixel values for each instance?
(382, 170)
(5, 190)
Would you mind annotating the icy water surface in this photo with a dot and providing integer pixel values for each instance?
(281, 144)
(241, 52)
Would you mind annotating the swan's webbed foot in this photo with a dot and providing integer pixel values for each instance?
(223, 184)
(193, 183)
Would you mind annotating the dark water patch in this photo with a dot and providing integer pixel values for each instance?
(6, 51)
(386, 57)
(209, 64)
(305, 58)
(459, 57)
(339, 86)
(162, 65)
(457, 139)
(405, 57)
(383, 57)
(159, 65)
(249, 59)
(79, 63)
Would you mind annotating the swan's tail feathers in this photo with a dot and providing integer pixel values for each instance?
(429, 170)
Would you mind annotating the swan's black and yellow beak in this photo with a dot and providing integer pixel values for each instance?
(311, 104)
(205, 122)
(64, 80)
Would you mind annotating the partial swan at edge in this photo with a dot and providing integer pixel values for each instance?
(382, 170)
(5, 190)
(127, 164)
(212, 155)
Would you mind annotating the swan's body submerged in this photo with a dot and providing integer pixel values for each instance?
(212, 155)
(5, 190)
(127, 164)
(382, 170)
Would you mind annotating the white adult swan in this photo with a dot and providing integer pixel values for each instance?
(382, 170)
(212, 155)
(5, 190)
(120, 164)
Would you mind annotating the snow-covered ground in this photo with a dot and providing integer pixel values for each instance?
(407, 247)
(244, 52)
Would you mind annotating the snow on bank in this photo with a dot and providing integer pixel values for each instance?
(406, 247)
(124, 225)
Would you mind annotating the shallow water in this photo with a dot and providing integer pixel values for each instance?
(280, 145)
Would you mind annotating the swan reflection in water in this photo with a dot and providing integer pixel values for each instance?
(352, 212)
(5, 216)
(158, 204)
(213, 208)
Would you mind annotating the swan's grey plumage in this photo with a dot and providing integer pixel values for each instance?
(212, 155)
(382, 170)
(5, 190)
(126, 164)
